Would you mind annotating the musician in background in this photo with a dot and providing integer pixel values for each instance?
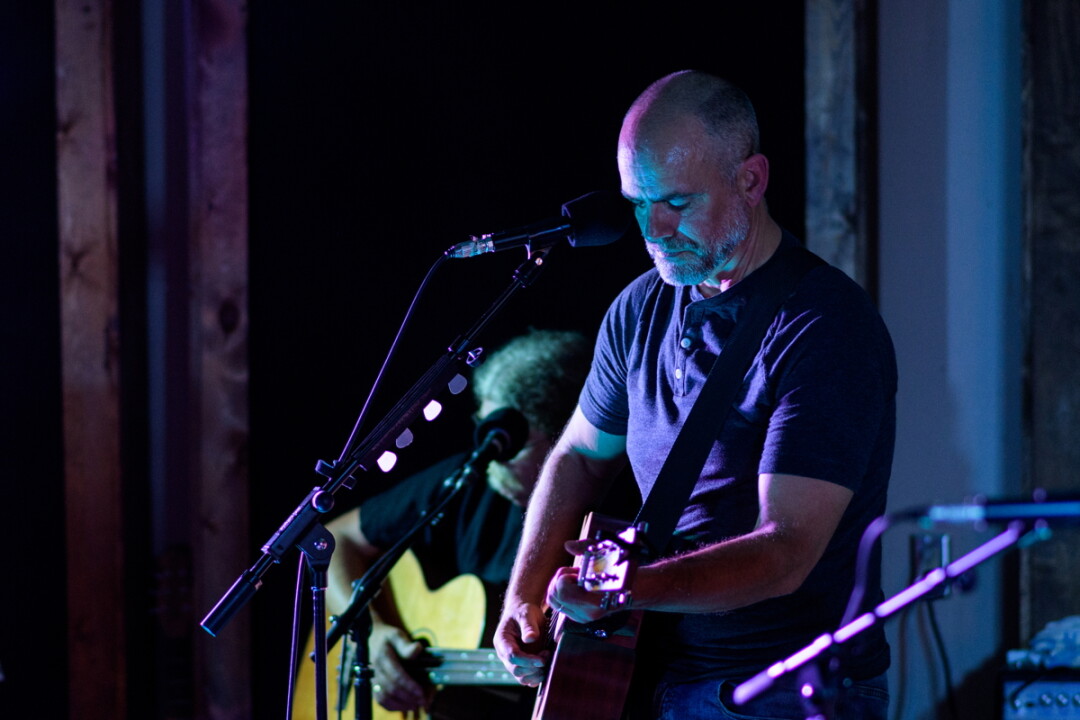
(538, 374)
(765, 548)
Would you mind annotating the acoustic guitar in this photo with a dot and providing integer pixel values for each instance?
(451, 617)
(593, 664)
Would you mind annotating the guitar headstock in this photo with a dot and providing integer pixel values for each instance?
(609, 562)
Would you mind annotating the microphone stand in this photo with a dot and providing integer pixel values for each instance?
(817, 666)
(356, 618)
(302, 528)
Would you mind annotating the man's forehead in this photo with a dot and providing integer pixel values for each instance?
(669, 140)
(660, 169)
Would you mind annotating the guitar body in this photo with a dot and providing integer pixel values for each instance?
(452, 616)
(589, 677)
(591, 670)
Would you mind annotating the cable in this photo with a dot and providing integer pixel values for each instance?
(295, 654)
(375, 386)
(945, 667)
(869, 539)
(900, 692)
(345, 676)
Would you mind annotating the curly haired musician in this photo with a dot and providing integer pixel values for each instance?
(538, 374)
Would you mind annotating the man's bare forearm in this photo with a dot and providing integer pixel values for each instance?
(570, 485)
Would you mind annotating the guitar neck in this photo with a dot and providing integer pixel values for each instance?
(465, 667)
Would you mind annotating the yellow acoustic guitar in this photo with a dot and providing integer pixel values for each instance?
(451, 617)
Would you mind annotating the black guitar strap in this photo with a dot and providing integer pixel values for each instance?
(671, 491)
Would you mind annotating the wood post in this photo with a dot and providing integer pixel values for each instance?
(90, 357)
(841, 187)
(219, 327)
(1050, 571)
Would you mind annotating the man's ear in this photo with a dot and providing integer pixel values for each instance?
(752, 178)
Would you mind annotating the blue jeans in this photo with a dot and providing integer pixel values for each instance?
(711, 700)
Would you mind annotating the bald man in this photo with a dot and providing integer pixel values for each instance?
(763, 557)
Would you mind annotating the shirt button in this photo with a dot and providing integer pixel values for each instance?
(678, 373)
(686, 343)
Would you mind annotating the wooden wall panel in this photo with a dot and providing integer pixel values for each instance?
(90, 344)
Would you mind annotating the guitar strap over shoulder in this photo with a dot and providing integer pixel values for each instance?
(671, 491)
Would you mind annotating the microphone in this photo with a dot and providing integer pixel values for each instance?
(1041, 507)
(499, 436)
(597, 218)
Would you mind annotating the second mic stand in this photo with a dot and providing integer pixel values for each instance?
(817, 666)
(356, 619)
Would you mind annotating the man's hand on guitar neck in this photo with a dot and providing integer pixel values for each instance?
(392, 686)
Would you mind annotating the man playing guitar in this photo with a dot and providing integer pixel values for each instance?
(764, 552)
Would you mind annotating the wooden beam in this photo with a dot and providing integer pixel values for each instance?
(219, 341)
(90, 343)
(1050, 578)
(841, 188)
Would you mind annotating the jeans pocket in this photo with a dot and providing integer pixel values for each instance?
(777, 703)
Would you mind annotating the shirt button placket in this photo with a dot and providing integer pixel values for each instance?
(685, 343)
(691, 318)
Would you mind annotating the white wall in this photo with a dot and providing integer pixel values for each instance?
(950, 208)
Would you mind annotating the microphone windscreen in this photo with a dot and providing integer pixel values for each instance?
(512, 427)
(598, 218)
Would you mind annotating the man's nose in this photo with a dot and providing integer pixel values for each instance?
(658, 223)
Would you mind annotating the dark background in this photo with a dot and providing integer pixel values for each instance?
(380, 134)
(31, 481)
